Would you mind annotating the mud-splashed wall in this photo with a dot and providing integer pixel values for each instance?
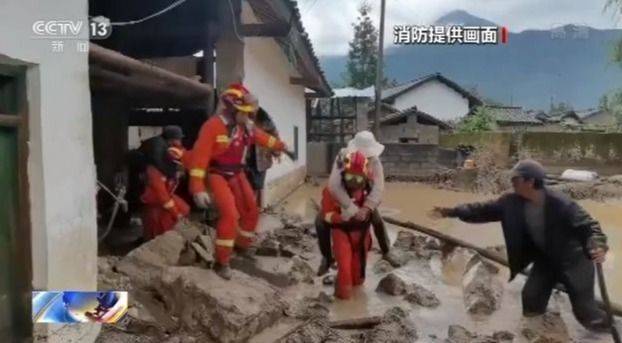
(601, 152)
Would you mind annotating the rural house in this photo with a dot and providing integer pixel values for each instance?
(435, 95)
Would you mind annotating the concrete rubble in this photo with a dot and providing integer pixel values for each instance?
(482, 289)
(421, 296)
(392, 285)
(176, 297)
(459, 334)
(395, 327)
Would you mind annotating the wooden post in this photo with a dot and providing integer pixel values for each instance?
(207, 73)
(379, 75)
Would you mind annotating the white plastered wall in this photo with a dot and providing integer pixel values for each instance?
(61, 169)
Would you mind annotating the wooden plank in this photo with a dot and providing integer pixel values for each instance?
(356, 323)
(10, 120)
(274, 29)
(299, 81)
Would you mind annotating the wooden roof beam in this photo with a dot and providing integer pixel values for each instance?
(274, 29)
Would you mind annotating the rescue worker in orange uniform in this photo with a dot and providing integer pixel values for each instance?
(218, 161)
(351, 239)
(163, 209)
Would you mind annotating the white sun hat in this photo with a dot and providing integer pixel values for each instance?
(366, 143)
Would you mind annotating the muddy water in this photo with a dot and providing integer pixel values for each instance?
(412, 201)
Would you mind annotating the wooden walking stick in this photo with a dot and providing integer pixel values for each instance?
(603, 294)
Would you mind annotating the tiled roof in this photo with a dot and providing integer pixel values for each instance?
(396, 115)
(391, 93)
(514, 115)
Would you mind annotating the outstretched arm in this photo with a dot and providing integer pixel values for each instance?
(479, 212)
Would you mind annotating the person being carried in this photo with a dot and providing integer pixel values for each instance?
(552, 231)
(162, 208)
(351, 237)
(366, 143)
(260, 159)
(218, 161)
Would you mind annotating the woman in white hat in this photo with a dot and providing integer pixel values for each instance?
(366, 143)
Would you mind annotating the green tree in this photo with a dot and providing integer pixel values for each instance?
(481, 120)
(613, 102)
(363, 53)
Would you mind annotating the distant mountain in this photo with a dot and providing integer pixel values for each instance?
(568, 64)
(460, 17)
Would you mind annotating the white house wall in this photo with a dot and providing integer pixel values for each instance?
(61, 170)
(435, 98)
(267, 74)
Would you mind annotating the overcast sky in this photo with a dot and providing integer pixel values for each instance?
(328, 22)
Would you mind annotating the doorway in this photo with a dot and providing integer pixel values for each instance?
(15, 251)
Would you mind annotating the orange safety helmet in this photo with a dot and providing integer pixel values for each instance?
(238, 96)
(357, 164)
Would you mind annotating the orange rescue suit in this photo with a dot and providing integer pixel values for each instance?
(351, 242)
(217, 161)
(162, 207)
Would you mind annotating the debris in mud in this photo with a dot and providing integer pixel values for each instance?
(392, 285)
(458, 334)
(268, 246)
(420, 295)
(395, 327)
(310, 307)
(382, 266)
(547, 328)
(301, 271)
(316, 330)
(482, 290)
(328, 280)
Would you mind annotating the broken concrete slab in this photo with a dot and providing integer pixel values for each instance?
(163, 250)
(205, 256)
(108, 278)
(482, 290)
(189, 230)
(229, 311)
(395, 327)
(421, 296)
(268, 246)
(404, 241)
(392, 285)
(276, 271)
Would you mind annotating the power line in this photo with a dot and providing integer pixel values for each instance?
(151, 16)
(311, 6)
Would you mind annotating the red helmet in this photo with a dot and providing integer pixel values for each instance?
(238, 96)
(356, 163)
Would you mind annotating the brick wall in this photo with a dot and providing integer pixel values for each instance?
(415, 160)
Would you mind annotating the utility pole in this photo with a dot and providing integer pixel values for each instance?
(379, 76)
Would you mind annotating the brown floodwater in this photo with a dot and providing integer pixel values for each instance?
(413, 201)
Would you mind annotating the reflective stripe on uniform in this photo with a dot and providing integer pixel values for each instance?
(169, 204)
(222, 139)
(197, 172)
(225, 243)
(271, 142)
(233, 91)
(329, 217)
(246, 234)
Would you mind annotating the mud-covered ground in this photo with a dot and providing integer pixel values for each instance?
(432, 292)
